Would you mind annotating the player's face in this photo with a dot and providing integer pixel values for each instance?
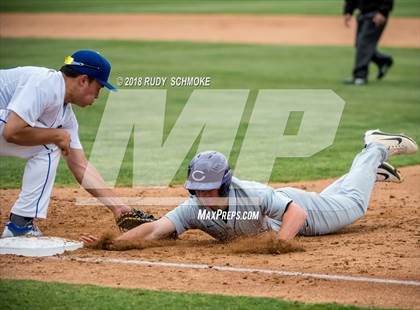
(87, 92)
(211, 199)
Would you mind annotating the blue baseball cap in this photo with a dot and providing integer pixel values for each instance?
(92, 64)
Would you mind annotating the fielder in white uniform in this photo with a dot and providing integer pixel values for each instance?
(223, 206)
(37, 123)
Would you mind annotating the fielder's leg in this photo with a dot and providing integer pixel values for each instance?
(37, 183)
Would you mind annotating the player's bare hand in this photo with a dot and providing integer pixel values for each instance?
(63, 141)
(120, 210)
(88, 239)
(379, 19)
(347, 20)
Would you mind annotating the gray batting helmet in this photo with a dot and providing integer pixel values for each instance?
(209, 170)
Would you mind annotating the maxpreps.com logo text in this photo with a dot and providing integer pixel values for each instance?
(204, 214)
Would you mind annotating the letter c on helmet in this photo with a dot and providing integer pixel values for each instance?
(198, 175)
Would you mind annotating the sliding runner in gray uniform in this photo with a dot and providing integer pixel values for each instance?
(346, 200)
(226, 207)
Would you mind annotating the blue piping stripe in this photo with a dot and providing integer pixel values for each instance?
(2, 120)
(45, 183)
(64, 110)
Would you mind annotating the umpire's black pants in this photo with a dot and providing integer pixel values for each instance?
(367, 37)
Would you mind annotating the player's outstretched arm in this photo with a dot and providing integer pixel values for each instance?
(156, 230)
(91, 180)
(159, 229)
(292, 221)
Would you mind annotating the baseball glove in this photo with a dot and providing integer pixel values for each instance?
(133, 218)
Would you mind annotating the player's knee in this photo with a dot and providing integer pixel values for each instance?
(362, 207)
(358, 203)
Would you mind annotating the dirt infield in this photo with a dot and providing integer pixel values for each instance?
(385, 244)
(289, 30)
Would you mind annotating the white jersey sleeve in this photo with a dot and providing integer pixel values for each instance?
(35, 94)
(29, 102)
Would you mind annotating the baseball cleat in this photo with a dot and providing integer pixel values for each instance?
(12, 230)
(396, 144)
(355, 81)
(387, 173)
(383, 69)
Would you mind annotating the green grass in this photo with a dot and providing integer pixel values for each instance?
(19, 294)
(392, 105)
(306, 7)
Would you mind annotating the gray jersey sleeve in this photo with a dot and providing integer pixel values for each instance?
(184, 216)
(274, 204)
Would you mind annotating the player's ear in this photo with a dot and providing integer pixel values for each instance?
(83, 80)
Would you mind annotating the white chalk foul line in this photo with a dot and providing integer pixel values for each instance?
(330, 277)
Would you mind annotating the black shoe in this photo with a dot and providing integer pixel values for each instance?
(383, 69)
(355, 81)
(387, 173)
